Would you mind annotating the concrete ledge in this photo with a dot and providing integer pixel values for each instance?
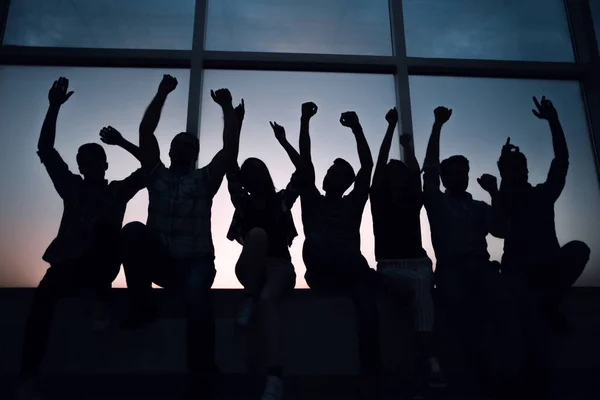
(320, 337)
(566, 385)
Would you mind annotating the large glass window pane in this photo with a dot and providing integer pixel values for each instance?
(278, 96)
(131, 24)
(485, 113)
(523, 30)
(291, 26)
(31, 209)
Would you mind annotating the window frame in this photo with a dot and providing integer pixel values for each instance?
(585, 69)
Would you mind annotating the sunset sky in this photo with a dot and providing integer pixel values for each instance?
(486, 111)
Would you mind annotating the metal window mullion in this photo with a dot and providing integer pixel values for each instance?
(270, 61)
(586, 51)
(401, 76)
(90, 57)
(496, 68)
(4, 4)
(196, 69)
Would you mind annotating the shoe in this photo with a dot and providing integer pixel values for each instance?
(435, 378)
(245, 312)
(138, 319)
(273, 389)
(101, 316)
(28, 390)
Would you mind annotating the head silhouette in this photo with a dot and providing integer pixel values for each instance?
(454, 172)
(255, 177)
(91, 160)
(184, 151)
(396, 179)
(340, 176)
(513, 168)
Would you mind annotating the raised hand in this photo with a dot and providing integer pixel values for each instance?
(279, 131)
(405, 140)
(110, 135)
(545, 109)
(59, 93)
(392, 116)
(349, 119)
(488, 183)
(442, 114)
(168, 84)
(309, 110)
(240, 111)
(508, 147)
(222, 97)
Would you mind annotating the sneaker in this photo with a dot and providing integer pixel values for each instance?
(435, 377)
(28, 390)
(273, 389)
(245, 312)
(101, 316)
(138, 319)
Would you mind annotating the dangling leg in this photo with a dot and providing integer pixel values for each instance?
(250, 271)
(58, 281)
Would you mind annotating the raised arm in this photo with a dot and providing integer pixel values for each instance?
(55, 166)
(431, 176)
(409, 153)
(308, 111)
(57, 96)
(384, 151)
(150, 152)
(496, 221)
(414, 171)
(362, 183)
(557, 175)
(113, 137)
(307, 174)
(226, 158)
(294, 156)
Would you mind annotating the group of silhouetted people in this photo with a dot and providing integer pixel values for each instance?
(174, 249)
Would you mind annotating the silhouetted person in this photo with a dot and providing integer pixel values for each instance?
(331, 250)
(85, 253)
(465, 279)
(264, 226)
(396, 201)
(539, 269)
(174, 249)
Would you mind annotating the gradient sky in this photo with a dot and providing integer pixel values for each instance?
(486, 111)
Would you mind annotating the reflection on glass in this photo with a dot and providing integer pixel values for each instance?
(131, 24)
(485, 113)
(278, 96)
(291, 26)
(31, 209)
(523, 30)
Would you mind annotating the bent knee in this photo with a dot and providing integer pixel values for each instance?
(133, 231)
(577, 249)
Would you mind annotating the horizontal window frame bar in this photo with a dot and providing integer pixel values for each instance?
(91, 57)
(299, 62)
(140, 58)
(498, 68)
